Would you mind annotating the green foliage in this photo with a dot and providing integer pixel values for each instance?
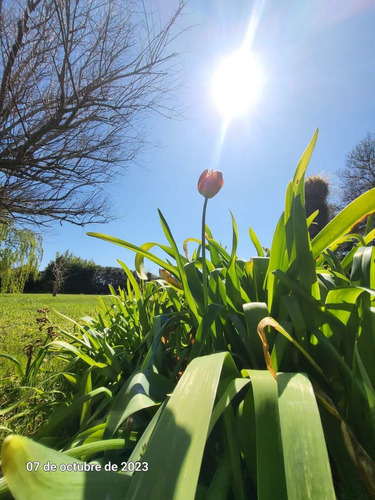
(79, 275)
(205, 382)
(196, 438)
(20, 254)
(108, 275)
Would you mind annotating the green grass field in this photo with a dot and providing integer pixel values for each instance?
(19, 326)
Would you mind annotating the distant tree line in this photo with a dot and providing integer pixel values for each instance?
(21, 249)
(68, 273)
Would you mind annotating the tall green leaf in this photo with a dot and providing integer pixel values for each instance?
(307, 468)
(20, 454)
(181, 434)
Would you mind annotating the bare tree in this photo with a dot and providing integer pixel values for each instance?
(60, 273)
(358, 175)
(77, 80)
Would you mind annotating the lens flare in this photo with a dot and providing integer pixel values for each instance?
(236, 84)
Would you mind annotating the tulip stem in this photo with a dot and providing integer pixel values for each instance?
(204, 268)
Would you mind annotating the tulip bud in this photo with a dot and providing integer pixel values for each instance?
(210, 182)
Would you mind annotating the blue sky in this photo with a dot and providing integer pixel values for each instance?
(319, 67)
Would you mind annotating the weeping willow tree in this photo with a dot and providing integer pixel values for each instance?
(20, 255)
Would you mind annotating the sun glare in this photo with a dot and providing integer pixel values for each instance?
(236, 84)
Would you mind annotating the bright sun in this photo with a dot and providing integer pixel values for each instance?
(236, 84)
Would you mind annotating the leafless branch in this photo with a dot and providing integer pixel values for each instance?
(358, 176)
(77, 81)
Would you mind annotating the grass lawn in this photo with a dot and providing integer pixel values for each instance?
(19, 326)
(20, 329)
